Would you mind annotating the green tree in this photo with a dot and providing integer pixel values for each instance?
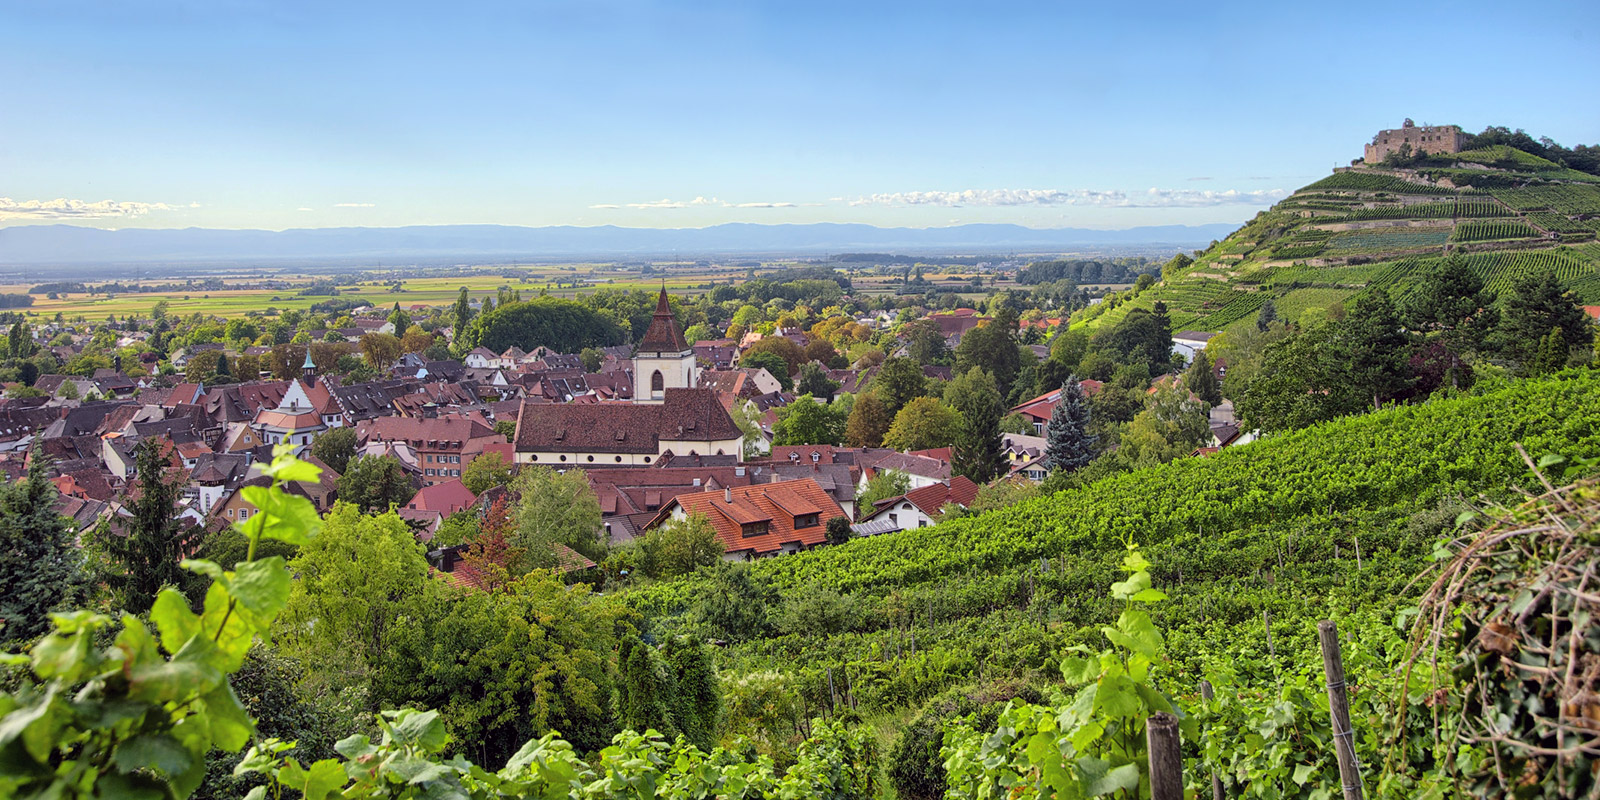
(20, 341)
(506, 428)
(771, 362)
(1266, 316)
(375, 483)
(1377, 348)
(838, 530)
(992, 346)
(645, 690)
(355, 581)
(1201, 380)
(592, 358)
(805, 421)
(381, 350)
(554, 508)
(869, 420)
(144, 557)
(1536, 305)
(679, 547)
(461, 313)
(814, 381)
(897, 382)
(335, 447)
(1303, 379)
(979, 448)
(923, 424)
(734, 606)
(486, 471)
(697, 703)
(40, 564)
(505, 666)
(882, 486)
(1068, 444)
(1552, 356)
(400, 320)
(925, 342)
(1172, 425)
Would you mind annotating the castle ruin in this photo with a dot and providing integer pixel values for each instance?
(1426, 139)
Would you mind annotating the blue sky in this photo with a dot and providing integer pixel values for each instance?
(235, 114)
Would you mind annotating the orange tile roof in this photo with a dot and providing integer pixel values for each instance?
(776, 504)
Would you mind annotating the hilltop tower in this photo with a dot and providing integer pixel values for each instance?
(664, 359)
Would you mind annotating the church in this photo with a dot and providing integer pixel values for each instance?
(670, 413)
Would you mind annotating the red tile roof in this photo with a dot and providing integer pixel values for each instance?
(446, 498)
(930, 499)
(1041, 406)
(774, 505)
(684, 415)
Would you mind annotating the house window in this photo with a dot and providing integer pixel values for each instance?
(753, 528)
(430, 472)
(805, 521)
(657, 383)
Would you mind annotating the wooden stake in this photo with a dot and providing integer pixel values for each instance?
(1339, 709)
(1267, 617)
(1166, 762)
(1216, 782)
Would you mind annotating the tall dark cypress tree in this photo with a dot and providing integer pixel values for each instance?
(40, 566)
(145, 555)
(697, 702)
(1068, 444)
(1535, 305)
(645, 692)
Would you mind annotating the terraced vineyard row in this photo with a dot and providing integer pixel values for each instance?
(1561, 224)
(1443, 210)
(1387, 240)
(1500, 270)
(1239, 306)
(1497, 230)
(1371, 182)
(1567, 199)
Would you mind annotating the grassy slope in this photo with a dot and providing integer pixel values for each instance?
(1250, 529)
(1551, 217)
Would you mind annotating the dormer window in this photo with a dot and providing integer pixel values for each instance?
(753, 528)
(805, 521)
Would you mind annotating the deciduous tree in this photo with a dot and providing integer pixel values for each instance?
(375, 483)
(869, 421)
(924, 423)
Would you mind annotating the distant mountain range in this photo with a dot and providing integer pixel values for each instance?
(67, 244)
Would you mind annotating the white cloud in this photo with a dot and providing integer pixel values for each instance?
(1074, 197)
(63, 208)
(354, 205)
(606, 205)
(303, 208)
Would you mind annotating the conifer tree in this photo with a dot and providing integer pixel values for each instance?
(697, 702)
(146, 558)
(40, 566)
(644, 693)
(1068, 444)
(1552, 355)
(462, 311)
(1202, 380)
(1535, 305)
(978, 451)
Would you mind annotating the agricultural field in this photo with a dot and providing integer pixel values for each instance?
(1295, 304)
(1567, 199)
(373, 288)
(1372, 182)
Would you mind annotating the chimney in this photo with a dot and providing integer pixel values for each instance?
(727, 495)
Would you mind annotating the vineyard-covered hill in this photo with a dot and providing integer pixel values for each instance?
(1505, 211)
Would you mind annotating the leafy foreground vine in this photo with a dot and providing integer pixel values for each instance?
(136, 719)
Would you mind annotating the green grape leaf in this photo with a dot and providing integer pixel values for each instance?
(421, 728)
(1303, 773)
(293, 469)
(288, 518)
(1101, 781)
(173, 620)
(262, 586)
(155, 751)
(1078, 671)
(323, 778)
(1148, 596)
(231, 725)
(1137, 582)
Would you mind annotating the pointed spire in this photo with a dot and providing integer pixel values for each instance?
(662, 307)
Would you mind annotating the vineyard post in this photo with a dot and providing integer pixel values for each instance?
(1266, 616)
(1339, 710)
(832, 697)
(1166, 762)
(1216, 782)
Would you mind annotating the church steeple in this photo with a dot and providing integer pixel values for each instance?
(664, 360)
(309, 369)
